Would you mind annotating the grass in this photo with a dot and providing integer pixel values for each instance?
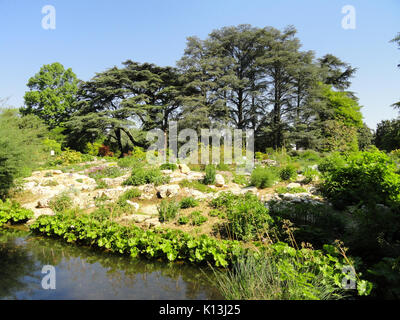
(263, 177)
(265, 278)
(290, 190)
(61, 202)
(197, 185)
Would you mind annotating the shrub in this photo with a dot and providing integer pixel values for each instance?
(309, 175)
(128, 195)
(195, 184)
(141, 176)
(183, 220)
(290, 190)
(197, 218)
(105, 172)
(168, 166)
(129, 162)
(188, 202)
(223, 167)
(209, 178)
(105, 151)
(263, 177)
(288, 173)
(167, 210)
(11, 212)
(61, 202)
(248, 218)
(362, 177)
(240, 179)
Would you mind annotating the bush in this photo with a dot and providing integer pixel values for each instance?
(288, 173)
(188, 202)
(210, 174)
(61, 202)
(197, 218)
(363, 177)
(141, 176)
(167, 210)
(105, 172)
(263, 177)
(183, 220)
(168, 166)
(128, 195)
(11, 212)
(309, 175)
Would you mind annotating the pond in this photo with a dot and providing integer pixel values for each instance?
(83, 273)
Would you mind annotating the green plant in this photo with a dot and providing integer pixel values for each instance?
(168, 166)
(309, 175)
(217, 213)
(197, 218)
(101, 184)
(128, 195)
(183, 220)
(290, 190)
(141, 176)
(240, 179)
(12, 212)
(209, 178)
(288, 173)
(167, 210)
(50, 183)
(263, 177)
(188, 202)
(368, 177)
(61, 202)
(195, 184)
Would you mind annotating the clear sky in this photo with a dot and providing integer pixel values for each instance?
(93, 35)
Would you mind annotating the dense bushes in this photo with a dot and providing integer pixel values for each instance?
(362, 177)
(248, 218)
(142, 175)
(263, 177)
(13, 213)
(21, 147)
(288, 172)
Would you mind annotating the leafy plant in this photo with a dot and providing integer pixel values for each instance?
(188, 202)
(12, 212)
(209, 178)
(288, 172)
(197, 218)
(263, 177)
(61, 202)
(168, 166)
(141, 176)
(167, 210)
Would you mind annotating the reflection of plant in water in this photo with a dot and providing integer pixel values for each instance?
(15, 264)
(121, 271)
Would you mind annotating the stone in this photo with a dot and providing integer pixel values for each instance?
(153, 222)
(133, 204)
(269, 162)
(149, 210)
(183, 168)
(252, 190)
(136, 217)
(293, 185)
(169, 190)
(219, 180)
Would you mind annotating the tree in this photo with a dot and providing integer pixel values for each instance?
(387, 135)
(365, 137)
(396, 40)
(52, 95)
(336, 72)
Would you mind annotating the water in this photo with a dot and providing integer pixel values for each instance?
(84, 273)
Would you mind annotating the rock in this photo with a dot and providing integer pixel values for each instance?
(193, 175)
(293, 185)
(136, 217)
(153, 222)
(219, 180)
(269, 162)
(183, 168)
(313, 167)
(133, 204)
(149, 210)
(166, 172)
(148, 192)
(169, 190)
(56, 172)
(252, 190)
(296, 197)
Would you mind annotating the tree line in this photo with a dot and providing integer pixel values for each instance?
(240, 77)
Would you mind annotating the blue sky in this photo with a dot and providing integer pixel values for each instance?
(93, 35)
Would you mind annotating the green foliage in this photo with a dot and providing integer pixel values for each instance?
(52, 94)
(11, 212)
(183, 220)
(50, 144)
(67, 157)
(188, 202)
(217, 213)
(21, 147)
(290, 190)
(128, 195)
(309, 175)
(93, 148)
(263, 177)
(209, 178)
(105, 172)
(167, 210)
(168, 166)
(142, 175)
(240, 179)
(197, 218)
(61, 202)
(367, 177)
(386, 274)
(129, 162)
(195, 184)
(387, 135)
(288, 173)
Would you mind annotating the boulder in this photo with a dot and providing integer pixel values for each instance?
(183, 168)
(133, 204)
(219, 180)
(169, 190)
(293, 185)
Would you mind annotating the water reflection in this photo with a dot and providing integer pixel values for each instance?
(84, 273)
